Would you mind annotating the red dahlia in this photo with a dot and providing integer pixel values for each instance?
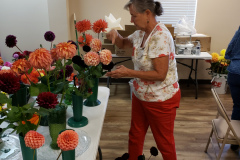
(9, 83)
(47, 100)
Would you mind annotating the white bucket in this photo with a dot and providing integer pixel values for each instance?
(131, 87)
(219, 82)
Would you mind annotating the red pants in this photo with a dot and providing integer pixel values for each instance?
(160, 117)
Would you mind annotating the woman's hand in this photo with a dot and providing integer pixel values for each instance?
(121, 71)
(112, 35)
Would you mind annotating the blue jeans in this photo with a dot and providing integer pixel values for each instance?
(234, 85)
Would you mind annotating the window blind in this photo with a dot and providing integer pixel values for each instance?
(173, 10)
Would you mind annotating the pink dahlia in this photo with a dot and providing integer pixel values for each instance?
(47, 100)
(40, 59)
(66, 50)
(105, 56)
(67, 140)
(34, 139)
(91, 59)
(96, 45)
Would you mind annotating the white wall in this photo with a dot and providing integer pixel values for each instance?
(28, 20)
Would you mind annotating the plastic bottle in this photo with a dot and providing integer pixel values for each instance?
(198, 48)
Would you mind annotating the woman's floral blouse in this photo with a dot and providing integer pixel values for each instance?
(158, 44)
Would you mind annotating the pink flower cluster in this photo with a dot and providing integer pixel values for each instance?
(96, 45)
(34, 139)
(105, 56)
(93, 58)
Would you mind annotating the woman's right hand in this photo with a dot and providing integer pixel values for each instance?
(112, 35)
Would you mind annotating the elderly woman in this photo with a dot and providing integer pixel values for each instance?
(156, 93)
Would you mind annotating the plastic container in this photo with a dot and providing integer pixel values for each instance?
(198, 48)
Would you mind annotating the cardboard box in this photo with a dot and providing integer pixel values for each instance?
(110, 47)
(205, 41)
(123, 52)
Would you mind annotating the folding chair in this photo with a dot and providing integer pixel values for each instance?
(225, 130)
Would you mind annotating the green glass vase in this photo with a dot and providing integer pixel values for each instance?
(27, 152)
(21, 97)
(57, 123)
(68, 155)
(78, 120)
(44, 121)
(92, 100)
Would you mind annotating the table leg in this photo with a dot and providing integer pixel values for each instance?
(196, 81)
(100, 153)
(189, 76)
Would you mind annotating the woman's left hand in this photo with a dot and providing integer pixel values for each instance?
(121, 71)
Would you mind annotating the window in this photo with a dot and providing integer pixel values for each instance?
(173, 10)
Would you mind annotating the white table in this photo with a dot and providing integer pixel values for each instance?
(202, 56)
(93, 129)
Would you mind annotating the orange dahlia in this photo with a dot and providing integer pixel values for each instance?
(34, 139)
(40, 59)
(1, 61)
(105, 56)
(83, 25)
(54, 54)
(20, 66)
(66, 50)
(67, 140)
(87, 41)
(96, 45)
(99, 26)
(91, 59)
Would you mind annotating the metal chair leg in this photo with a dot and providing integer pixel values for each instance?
(100, 153)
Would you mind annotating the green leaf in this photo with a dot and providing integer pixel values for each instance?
(69, 62)
(43, 111)
(30, 70)
(77, 68)
(31, 111)
(41, 46)
(4, 99)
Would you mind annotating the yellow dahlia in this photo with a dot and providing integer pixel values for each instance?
(215, 57)
(66, 50)
(105, 56)
(20, 66)
(40, 59)
(222, 52)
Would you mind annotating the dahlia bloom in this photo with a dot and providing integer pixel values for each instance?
(91, 59)
(11, 41)
(49, 36)
(54, 54)
(26, 53)
(40, 59)
(9, 83)
(15, 56)
(68, 71)
(105, 56)
(83, 25)
(47, 100)
(222, 52)
(20, 66)
(66, 50)
(1, 61)
(8, 64)
(215, 57)
(67, 140)
(87, 41)
(99, 26)
(34, 139)
(96, 45)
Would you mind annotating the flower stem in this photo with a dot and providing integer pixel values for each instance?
(19, 49)
(59, 155)
(33, 153)
(149, 157)
(28, 78)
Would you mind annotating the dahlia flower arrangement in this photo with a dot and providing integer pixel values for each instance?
(218, 63)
